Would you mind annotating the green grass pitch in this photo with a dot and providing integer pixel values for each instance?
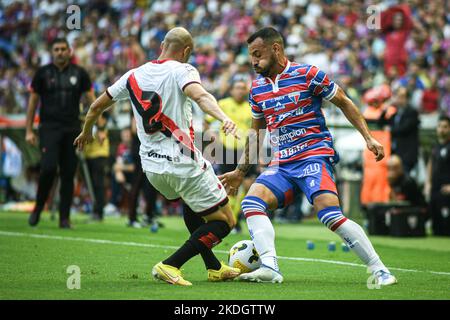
(116, 261)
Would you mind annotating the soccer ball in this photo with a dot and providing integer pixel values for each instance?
(244, 256)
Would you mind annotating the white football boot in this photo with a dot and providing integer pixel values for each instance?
(263, 274)
(384, 278)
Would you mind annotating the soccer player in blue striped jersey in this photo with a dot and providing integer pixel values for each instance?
(286, 98)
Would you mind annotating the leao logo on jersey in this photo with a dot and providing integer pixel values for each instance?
(73, 80)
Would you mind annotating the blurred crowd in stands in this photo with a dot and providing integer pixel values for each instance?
(409, 45)
(385, 54)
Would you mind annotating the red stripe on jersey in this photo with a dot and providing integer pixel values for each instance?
(177, 133)
(191, 131)
(168, 123)
(312, 141)
(323, 151)
(138, 93)
(317, 90)
(311, 74)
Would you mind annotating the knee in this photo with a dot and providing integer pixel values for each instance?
(325, 200)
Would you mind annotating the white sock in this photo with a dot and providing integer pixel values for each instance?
(356, 239)
(263, 236)
(353, 235)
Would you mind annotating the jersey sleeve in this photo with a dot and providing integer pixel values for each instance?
(320, 84)
(257, 113)
(37, 83)
(118, 91)
(185, 75)
(86, 83)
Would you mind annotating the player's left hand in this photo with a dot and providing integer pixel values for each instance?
(376, 148)
(83, 139)
(231, 181)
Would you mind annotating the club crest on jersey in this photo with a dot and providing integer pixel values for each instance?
(294, 97)
(73, 80)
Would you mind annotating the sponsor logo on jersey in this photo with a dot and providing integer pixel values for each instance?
(279, 107)
(153, 154)
(293, 113)
(310, 170)
(293, 150)
(261, 81)
(286, 137)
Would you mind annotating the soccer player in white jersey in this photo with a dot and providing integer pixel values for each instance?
(161, 93)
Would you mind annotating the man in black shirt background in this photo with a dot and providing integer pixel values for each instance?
(403, 187)
(404, 126)
(437, 186)
(58, 87)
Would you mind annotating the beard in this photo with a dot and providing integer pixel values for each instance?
(265, 72)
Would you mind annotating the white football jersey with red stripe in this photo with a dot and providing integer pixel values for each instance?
(163, 115)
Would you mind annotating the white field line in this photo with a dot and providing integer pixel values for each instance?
(148, 245)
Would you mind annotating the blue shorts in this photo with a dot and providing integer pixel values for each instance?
(311, 176)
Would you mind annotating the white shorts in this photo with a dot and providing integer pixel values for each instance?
(204, 193)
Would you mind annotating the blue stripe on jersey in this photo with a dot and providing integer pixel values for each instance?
(291, 81)
(263, 89)
(303, 102)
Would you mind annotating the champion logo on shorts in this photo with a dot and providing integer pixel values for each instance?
(312, 183)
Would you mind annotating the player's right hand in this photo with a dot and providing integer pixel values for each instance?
(376, 148)
(229, 127)
(232, 181)
(30, 138)
(83, 139)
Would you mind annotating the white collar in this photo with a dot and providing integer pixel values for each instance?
(275, 84)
